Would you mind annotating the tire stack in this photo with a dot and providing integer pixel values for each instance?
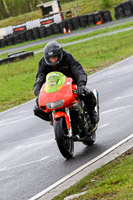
(76, 23)
(3, 43)
(91, 19)
(83, 20)
(42, 31)
(61, 26)
(55, 28)
(29, 35)
(106, 16)
(16, 38)
(9, 40)
(36, 33)
(119, 12)
(127, 8)
(97, 17)
(49, 30)
(69, 24)
(124, 9)
(131, 4)
(22, 36)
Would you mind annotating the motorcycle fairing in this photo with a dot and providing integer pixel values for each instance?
(59, 92)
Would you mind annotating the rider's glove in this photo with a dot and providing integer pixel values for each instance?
(81, 90)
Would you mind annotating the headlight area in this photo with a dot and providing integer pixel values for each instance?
(56, 104)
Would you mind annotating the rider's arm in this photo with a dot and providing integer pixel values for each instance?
(77, 70)
(40, 77)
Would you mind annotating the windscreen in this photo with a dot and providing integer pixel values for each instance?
(54, 82)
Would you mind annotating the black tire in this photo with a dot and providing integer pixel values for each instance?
(42, 31)
(119, 12)
(97, 17)
(16, 39)
(75, 23)
(49, 30)
(10, 40)
(36, 33)
(83, 20)
(90, 140)
(22, 36)
(55, 28)
(29, 35)
(65, 144)
(90, 19)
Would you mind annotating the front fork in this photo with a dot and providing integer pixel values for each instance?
(66, 115)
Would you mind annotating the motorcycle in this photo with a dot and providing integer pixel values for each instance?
(69, 115)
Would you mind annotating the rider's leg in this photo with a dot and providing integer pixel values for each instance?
(90, 103)
(39, 113)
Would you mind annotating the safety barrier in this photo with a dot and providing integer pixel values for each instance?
(124, 9)
(16, 57)
(20, 33)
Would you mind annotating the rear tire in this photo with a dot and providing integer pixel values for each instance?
(65, 143)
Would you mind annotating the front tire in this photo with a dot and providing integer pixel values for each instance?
(64, 142)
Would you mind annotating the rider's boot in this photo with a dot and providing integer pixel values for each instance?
(39, 113)
(94, 116)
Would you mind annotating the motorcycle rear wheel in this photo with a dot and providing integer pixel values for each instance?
(64, 143)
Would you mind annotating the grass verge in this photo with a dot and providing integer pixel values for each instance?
(113, 181)
(17, 79)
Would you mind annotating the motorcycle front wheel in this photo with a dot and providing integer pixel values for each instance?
(64, 142)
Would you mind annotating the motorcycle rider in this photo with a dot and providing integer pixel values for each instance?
(56, 59)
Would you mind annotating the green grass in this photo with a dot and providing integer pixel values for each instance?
(17, 79)
(113, 181)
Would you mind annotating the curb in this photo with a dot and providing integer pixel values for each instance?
(84, 170)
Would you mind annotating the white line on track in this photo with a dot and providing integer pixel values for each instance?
(15, 121)
(115, 109)
(80, 169)
(34, 144)
(123, 97)
(104, 125)
(29, 163)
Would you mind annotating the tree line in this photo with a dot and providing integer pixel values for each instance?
(10, 8)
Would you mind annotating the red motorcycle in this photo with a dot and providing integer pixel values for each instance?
(70, 118)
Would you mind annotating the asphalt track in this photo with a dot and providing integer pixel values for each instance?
(30, 161)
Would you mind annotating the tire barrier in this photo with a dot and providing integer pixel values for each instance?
(76, 23)
(56, 28)
(49, 31)
(83, 20)
(22, 37)
(16, 57)
(36, 33)
(124, 9)
(42, 31)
